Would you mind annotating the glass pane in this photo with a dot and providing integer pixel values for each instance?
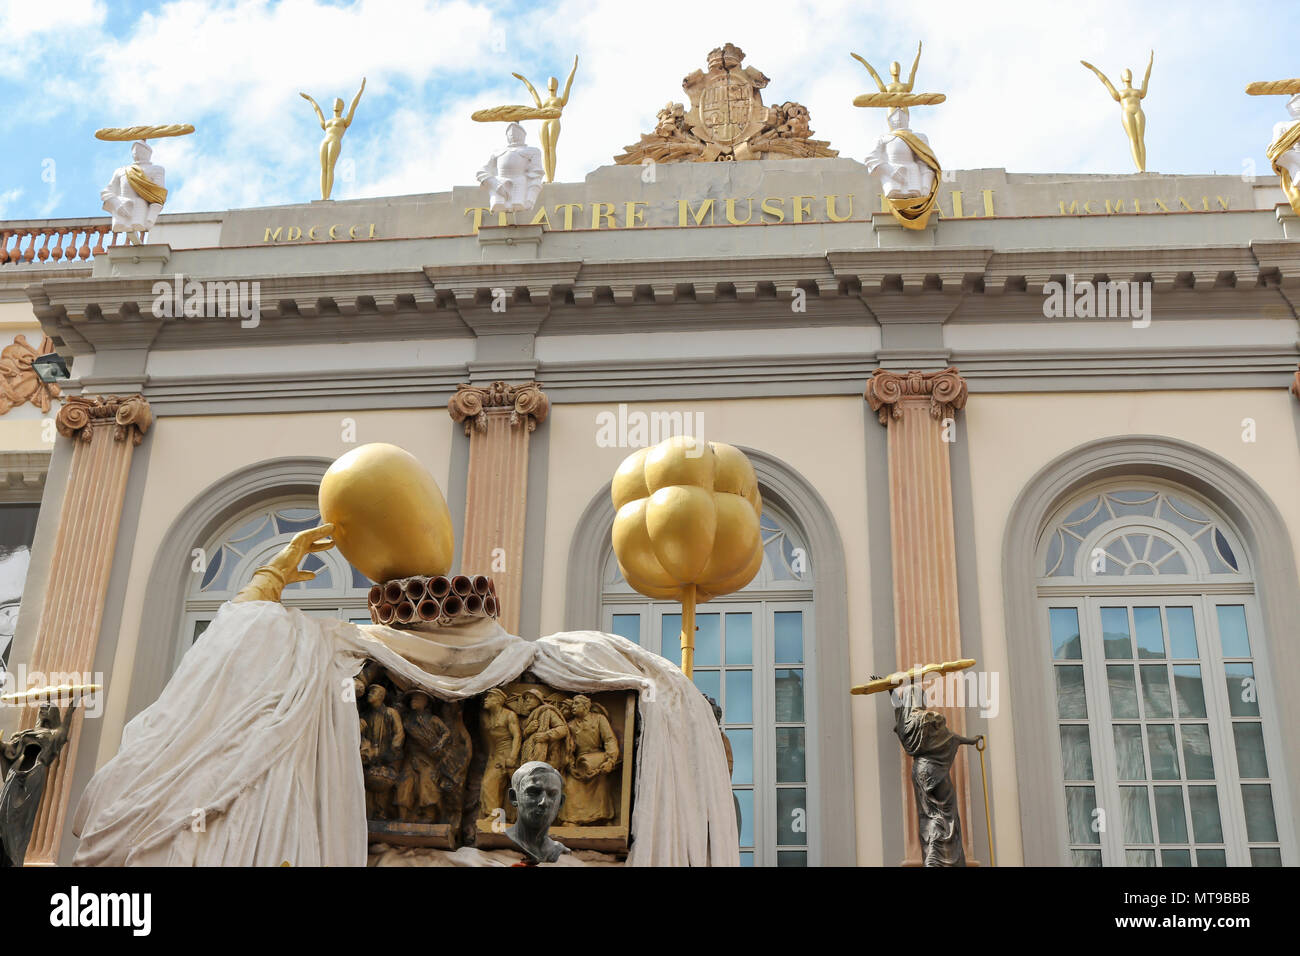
(214, 565)
(1139, 857)
(1171, 816)
(1123, 691)
(1265, 856)
(1249, 737)
(1155, 691)
(1197, 758)
(789, 637)
(1136, 807)
(1182, 632)
(1232, 630)
(790, 755)
(1260, 825)
(1131, 761)
(1070, 700)
(1080, 802)
(1076, 754)
(1065, 633)
(789, 696)
(201, 626)
(1206, 826)
(791, 858)
(1150, 635)
(1243, 694)
(747, 859)
(1175, 857)
(1115, 633)
(628, 626)
(745, 799)
(360, 581)
(1191, 695)
(740, 638)
(1211, 858)
(710, 682)
(670, 638)
(792, 816)
(1085, 857)
(738, 708)
(742, 752)
(708, 640)
(1164, 753)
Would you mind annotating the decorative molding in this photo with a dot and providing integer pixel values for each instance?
(131, 416)
(19, 383)
(1295, 384)
(527, 403)
(887, 391)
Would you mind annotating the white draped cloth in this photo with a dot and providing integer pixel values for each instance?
(250, 756)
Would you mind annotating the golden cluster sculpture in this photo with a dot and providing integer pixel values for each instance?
(687, 524)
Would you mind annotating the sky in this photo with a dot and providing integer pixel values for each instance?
(1017, 95)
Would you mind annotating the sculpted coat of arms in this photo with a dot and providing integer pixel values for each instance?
(727, 120)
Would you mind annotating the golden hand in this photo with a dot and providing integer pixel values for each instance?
(269, 581)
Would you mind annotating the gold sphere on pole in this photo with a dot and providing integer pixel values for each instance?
(687, 524)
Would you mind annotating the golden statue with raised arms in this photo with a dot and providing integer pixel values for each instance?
(1130, 101)
(550, 127)
(332, 144)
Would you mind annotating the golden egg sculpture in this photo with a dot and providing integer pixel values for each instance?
(390, 519)
(687, 518)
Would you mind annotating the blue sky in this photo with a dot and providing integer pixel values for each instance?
(1017, 96)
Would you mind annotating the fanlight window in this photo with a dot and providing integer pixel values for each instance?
(1106, 536)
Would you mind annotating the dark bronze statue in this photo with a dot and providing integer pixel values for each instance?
(25, 760)
(537, 791)
(926, 738)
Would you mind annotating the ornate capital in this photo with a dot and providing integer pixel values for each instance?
(527, 404)
(887, 391)
(130, 415)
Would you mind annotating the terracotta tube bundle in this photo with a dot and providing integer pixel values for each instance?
(376, 595)
(490, 606)
(460, 584)
(429, 610)
(439, 587)
(384, 613)
(405, 612)
(452, 606)
(393, 591)
(415, 590)
(474, 605)
(480, 585)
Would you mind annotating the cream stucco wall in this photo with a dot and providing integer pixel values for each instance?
(1012, 437)
(822, 439)
(189, 454)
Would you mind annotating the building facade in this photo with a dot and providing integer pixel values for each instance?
(1055, 431)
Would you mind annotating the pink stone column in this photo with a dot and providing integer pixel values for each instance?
(914, 407)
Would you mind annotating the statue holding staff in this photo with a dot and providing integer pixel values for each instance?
(1130, 101)
(25, 760)
(332, 144)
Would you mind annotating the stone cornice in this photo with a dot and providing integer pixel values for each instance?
(887, 392)
(527, 404)
(130, 417)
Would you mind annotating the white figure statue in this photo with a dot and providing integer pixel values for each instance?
(908, 170)
(903, 174)
(135, 195)
(1284, 152)
(513, 175)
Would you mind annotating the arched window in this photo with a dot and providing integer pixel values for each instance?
(226, 562)
(1167, 730)
(754, 656)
